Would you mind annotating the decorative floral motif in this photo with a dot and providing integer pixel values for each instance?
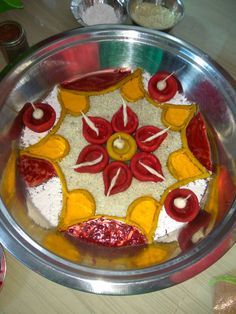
(128, 147)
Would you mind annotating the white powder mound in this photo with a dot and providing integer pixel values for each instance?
(29, 137)
(100, 13)
(168, 229)
(105, 106)
(45, 203)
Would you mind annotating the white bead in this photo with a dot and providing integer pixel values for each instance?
(180, 202)
(161, 85)
(38, 114)
(119, 143)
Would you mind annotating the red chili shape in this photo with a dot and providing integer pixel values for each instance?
(145, 132)
(107, 232)
(123, 181)
(202, 220)
(198, 143)
(90, 153)
(168, 92)
(97, 81)
(140, 172)
(118, 121)
(104, 127)
(186, 214)
(35, 171)
(43, 124)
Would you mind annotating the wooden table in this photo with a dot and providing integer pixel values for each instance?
(210, 26)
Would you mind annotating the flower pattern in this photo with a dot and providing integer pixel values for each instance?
(121, 150)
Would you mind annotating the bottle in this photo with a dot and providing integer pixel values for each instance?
(13, 40)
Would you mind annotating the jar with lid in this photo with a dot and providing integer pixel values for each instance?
(13, 40)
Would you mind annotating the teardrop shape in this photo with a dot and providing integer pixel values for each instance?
(170, 86)
(139, 171)
(92, 153)
(40, 124)
(182, 214)
(104, 128)
(123, 180)
(118, 124)
(144, 133)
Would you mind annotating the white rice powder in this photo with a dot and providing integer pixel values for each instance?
(106, 106)
(45, 201)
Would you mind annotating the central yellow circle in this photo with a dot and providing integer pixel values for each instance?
(123, 152)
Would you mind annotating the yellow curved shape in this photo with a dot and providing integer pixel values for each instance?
(53, 147)
(176, 116)
(153, 254)
(143, 212)
(8, 185)
(58, 244)
(80, 205)
(133, 90)
(73, 102)
(183, 165)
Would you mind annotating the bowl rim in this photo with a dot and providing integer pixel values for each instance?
(94, 280)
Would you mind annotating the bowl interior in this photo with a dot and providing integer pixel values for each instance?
(160, 14)
(75, 54)
(99, 16)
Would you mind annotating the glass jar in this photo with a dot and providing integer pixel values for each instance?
(13, 40)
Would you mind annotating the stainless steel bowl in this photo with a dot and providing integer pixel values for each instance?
(156, 14)
(79, 9)
(85, 50)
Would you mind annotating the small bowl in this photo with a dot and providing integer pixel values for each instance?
(94, 12)
(156, 14)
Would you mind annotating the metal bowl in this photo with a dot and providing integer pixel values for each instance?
(92, 12)
(80, 51)
(156, 14)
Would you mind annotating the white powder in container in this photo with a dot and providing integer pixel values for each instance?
(100, 13)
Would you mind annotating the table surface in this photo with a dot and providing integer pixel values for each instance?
(208, 25)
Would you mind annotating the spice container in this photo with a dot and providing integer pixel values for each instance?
(89, 12)
(156, 14)
(13, 40)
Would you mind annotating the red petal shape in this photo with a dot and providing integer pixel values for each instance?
(107, 232)
(168, 92)
(140, 172)
(185, 237)
(90, 153)
(187, 213)
(43, 124)
(146, 131)
(118, 122)
(198, 143)
(123, 181)
(97, 81)
(105, 130)
(35, 171)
